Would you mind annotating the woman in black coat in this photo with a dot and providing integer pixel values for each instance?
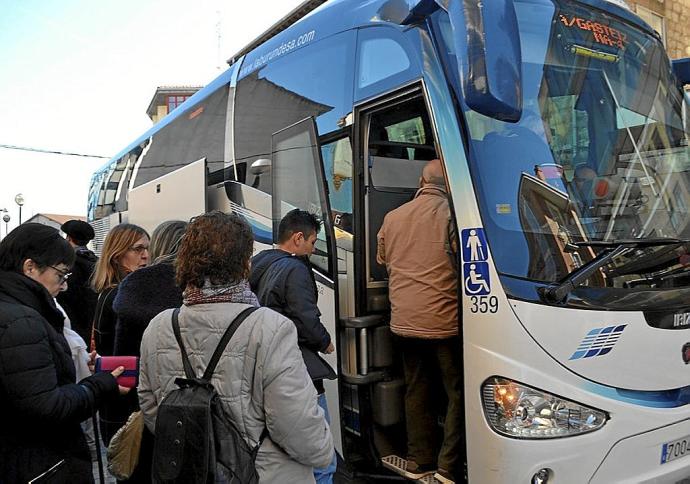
(125, 250)
(40, 407)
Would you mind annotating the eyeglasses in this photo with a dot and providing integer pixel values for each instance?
(139, 249)
(63, 274)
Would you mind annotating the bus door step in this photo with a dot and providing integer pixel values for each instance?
(399, 466)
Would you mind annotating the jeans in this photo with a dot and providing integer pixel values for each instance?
(423, 361)
(324, 475)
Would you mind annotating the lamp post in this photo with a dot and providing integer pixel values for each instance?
(19, 200)
(6, 219)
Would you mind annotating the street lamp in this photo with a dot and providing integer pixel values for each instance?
(5, 211)
(19, 200)
(6, 219)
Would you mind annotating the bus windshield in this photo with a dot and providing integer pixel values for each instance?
(600, 153)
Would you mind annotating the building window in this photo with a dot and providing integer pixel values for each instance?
(654, 20)
(175, 101)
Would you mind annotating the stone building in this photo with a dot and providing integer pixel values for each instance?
(671, 18)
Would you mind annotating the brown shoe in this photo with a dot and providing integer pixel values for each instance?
(444, 476)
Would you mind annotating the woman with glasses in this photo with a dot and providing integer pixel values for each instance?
(41, 406)
(125, 250)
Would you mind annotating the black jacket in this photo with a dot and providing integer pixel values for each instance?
(40, 405)
(285, 283)
(140, 297)
(114, 413)
(105, 320)
(79, 300)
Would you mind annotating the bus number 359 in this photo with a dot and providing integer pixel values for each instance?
(484, 304)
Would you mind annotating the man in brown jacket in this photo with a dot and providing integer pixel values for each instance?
(417, 247)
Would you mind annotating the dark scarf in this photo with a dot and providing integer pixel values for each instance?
(235, 293)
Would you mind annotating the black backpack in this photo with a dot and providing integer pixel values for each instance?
(196, 440)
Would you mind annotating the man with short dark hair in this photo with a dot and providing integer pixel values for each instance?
(79, 300)
(283, 281)
(416, 243)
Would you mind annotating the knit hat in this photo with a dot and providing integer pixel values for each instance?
(79, 230)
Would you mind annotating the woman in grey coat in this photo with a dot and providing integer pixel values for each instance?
(261, 376)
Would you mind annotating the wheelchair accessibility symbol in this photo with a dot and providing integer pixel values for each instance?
(476, 277)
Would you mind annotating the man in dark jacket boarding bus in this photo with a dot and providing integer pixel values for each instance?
(283, 281)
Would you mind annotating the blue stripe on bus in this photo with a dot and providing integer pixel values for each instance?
(655, 399)
(262, 233)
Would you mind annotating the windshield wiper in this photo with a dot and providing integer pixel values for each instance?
(611, 250)
(637, 243)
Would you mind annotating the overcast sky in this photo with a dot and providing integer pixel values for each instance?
(78, 75)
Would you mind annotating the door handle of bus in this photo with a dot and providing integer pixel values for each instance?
(362, 322)
(361, 326)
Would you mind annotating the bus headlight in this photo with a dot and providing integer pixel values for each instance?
(519, 411)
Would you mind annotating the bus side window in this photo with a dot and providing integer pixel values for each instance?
(337, 167)
(315, 80)
(384, 61)
(197, 133)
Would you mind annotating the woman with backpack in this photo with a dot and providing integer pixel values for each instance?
(260, 377)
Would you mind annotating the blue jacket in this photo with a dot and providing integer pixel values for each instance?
(285, 283)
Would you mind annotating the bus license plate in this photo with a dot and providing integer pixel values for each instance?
(675, 449)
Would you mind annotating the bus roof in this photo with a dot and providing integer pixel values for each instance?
(323, 18)
(291, 18)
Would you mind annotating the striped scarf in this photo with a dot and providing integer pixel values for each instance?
(237, 293)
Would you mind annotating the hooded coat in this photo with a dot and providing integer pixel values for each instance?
(285, 283)
(40, 405)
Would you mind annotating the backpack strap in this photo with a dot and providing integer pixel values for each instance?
(225, 340)
(188, 370)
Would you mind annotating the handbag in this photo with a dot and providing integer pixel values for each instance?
(125, 446)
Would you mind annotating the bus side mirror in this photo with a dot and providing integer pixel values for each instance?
(487, 43)
(260, 166)
(681, 68)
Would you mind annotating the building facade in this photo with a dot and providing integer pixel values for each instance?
(167, 98)
(671, 18)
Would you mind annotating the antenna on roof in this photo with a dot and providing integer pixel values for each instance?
(219, 35)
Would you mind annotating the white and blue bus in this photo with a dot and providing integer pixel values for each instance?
(563, 129)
